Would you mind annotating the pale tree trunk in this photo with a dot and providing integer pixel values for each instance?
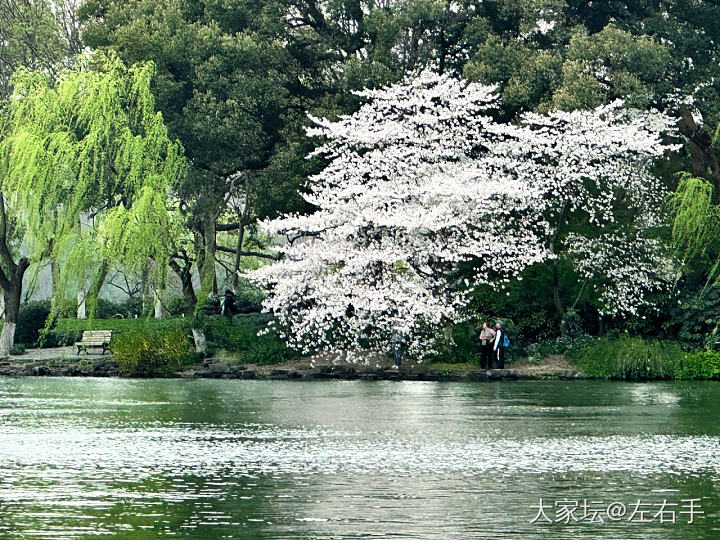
(81, 314)
(7, 339)
(12, 290)
(200, 343)
(159, 311)
(11, 284)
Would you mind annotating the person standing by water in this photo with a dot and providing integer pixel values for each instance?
(499, 346)
(487, 335)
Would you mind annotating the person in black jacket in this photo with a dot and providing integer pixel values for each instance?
(499, 346)
(227, 304)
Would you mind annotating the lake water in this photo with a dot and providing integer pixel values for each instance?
(356, 459)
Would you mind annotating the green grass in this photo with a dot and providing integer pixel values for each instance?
(238, 339)
(453, 368)
(630, 358)
(119, 325)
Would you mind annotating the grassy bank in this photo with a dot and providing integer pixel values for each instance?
(147, 347)
(634, 358)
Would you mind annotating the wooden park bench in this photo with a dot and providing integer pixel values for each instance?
(95, 338)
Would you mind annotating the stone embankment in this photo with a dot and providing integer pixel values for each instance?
(63, 363)
(367, 373)
(101, 367)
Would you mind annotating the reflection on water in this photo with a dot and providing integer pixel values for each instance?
(262, 459)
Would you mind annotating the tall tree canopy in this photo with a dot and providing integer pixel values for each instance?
(224, 80)
(37, 34)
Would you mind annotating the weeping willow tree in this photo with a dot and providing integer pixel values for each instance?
(696, 225)
(86, 168)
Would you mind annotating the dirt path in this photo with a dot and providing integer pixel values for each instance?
(551, 365)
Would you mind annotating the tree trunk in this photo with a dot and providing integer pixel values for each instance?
(556, 291)
(200, 342)
(11, 293)
(704, 159)
(184, 272)
(208, 283)
(188, 294)
(81, 314)
(238, 254)
(159, 311)
(145, 289)
(93, 295)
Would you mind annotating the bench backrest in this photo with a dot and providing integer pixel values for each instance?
(96, 336)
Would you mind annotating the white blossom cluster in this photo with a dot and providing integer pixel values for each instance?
(624, 269)
(422, 178)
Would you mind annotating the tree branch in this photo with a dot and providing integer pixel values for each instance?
(247, 253)
(224, 227)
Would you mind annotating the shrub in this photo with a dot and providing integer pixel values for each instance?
(460, 345)
(240, 336)
(570, 346)
(246, 302)
(571, 325)
(129, 309)
(118, 326)
(249, 301)
(31, 320)
(629, 358)
(699, 365)
(152, 352)
(62, 338)
(176, 306)
(66, 307)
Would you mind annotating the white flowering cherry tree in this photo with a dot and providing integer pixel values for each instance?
(422, 179)
(600, 200)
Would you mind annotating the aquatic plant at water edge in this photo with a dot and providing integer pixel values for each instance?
(629, 358)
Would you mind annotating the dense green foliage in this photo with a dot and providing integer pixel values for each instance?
(240, 338)
(31, 321)
(699, 365)
(630, 358)
(633, 358)
(234, 93)
(152, 352)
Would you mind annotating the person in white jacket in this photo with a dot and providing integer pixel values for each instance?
(499, 346)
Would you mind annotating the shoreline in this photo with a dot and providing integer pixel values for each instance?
(63, 362)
